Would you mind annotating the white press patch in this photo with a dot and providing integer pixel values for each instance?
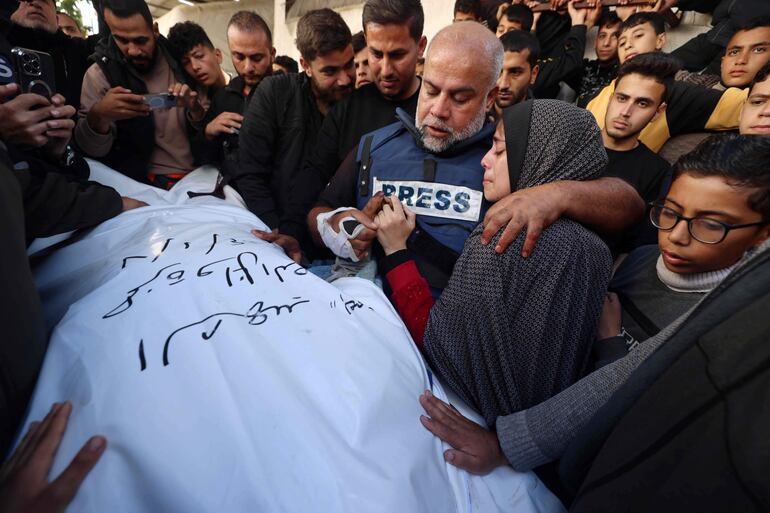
(434, 199)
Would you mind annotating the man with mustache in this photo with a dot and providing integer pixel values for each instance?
(283, 118)
(116, 124)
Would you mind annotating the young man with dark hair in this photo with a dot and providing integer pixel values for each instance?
(520, 68)
(361, 60)
(285, 64)
(598, 73)
(691, 108)
(251, 49)
(467, 10)
(192, 47)
(755, 113)
(282, 121)
(515, 17)
(642, 89)
(115, 124)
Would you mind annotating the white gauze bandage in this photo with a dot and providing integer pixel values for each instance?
(338, 242)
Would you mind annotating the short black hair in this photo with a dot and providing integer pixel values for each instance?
(521, 14)
(520, 40)
(359, 41)
(761, 76)
(321, 31)
(661, 66)
(640, 18)
(249, 21)
(128, 8)
(468, 6)
(186, 35)
(395, 12)
(753, 23)
(288, 63)
(741, 160)
(608, 18)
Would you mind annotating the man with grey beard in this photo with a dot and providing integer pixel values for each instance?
(433, 166)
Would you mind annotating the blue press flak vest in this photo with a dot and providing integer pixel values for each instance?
(444, 190)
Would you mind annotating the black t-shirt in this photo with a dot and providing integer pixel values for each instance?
(364, 111)
(640, 167)
(647, 173)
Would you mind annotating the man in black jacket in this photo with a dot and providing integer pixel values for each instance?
(283, 119)
(251, 47)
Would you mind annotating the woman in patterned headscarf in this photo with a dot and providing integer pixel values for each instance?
(510, 332)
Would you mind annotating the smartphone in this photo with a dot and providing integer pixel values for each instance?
(160, 100)
(35, 71)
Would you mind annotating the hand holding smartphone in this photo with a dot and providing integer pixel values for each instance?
(160, 101)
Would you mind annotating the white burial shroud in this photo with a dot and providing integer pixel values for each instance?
(227, 378)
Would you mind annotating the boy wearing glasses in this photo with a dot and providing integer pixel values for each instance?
(716, 212)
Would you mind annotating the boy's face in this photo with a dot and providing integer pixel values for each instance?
(713, 198)
(747, 52)
(606, 44)
(202, 63)
(464, 16)
(506, 26)
(639, 39)
(755, 114)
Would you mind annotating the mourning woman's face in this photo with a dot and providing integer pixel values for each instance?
(497, 182)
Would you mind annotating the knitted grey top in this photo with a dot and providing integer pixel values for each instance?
(509, 332)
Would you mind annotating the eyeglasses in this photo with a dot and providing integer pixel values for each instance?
(703, 229)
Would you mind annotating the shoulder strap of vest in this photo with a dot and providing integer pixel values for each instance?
(366, 164)
(429, 170)
(440, 256)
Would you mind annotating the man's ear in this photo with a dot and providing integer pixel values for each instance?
(155, 30)
(535, 72)
(661, 41)
(305, 66)
(218, 53)
(422, 44)
(272, 55)
(490, 100)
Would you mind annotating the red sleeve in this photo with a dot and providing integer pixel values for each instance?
(412, 298)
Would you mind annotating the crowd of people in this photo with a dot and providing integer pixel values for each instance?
(577, 246)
